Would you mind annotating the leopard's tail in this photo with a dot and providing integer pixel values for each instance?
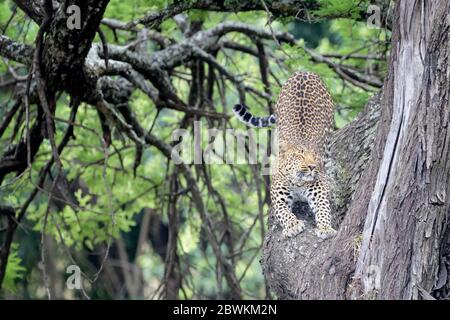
(245, 116)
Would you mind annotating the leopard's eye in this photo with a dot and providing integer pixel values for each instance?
(304, 169)
(308, 168)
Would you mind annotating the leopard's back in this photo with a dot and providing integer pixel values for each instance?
(304, 111)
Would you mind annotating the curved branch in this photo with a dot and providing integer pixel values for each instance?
(300, 9)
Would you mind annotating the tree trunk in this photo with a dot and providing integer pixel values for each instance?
(391, 182)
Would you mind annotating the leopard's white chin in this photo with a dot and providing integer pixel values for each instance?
(309, 178)
(305, 178)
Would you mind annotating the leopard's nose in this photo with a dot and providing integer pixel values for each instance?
(311, 167)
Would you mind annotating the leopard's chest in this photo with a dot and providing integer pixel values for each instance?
(300, 192)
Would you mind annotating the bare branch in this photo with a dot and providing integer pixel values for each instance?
(278, 8)
(366, 82)
(16, 51)
(114, 24)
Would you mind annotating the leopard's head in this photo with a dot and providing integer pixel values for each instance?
(299, 164)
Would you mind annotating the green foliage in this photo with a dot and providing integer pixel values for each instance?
(128, 10)
(342, 8)
(5, 13)
(14, 269)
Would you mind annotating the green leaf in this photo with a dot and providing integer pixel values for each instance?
(14, 270)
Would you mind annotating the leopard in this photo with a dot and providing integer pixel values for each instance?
(304, 114)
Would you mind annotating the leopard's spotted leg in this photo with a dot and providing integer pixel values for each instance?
(281, 197)
(317, 196)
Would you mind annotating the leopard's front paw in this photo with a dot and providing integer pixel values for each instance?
(293, 229)
(325, 232)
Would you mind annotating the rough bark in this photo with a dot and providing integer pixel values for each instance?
(65, 49)
(393, 230)
(407, 213)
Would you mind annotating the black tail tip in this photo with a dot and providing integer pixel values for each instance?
(238, 107)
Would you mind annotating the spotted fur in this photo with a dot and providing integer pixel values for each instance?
(304, 116)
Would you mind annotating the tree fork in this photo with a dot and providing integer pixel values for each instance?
(403, 189)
